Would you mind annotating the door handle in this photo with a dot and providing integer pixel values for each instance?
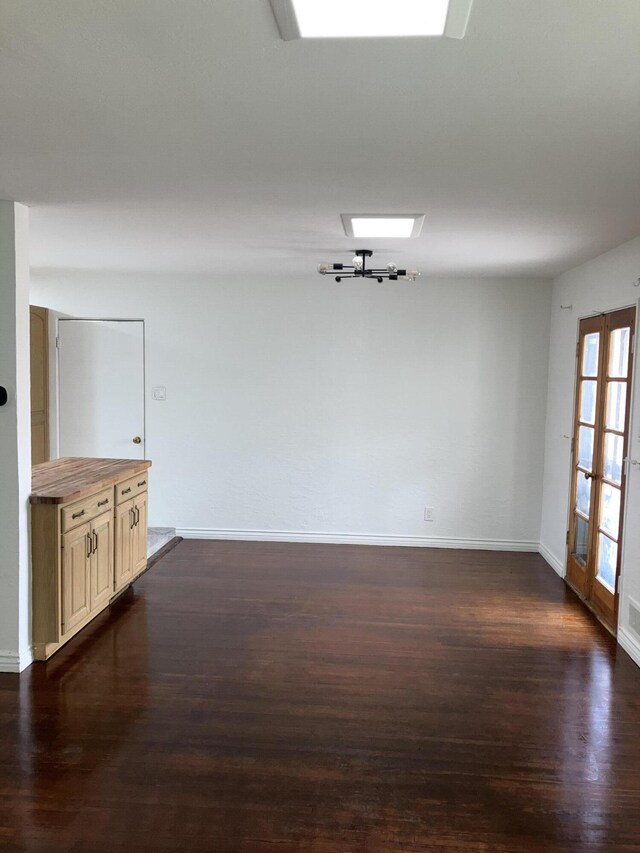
(89, 545)
(137, 514)
(589, 476)
(137, 440)
(95, 541)
(133, 518)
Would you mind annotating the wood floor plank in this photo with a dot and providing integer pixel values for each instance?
(250, 697)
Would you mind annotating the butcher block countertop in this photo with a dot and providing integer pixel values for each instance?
(70, 478)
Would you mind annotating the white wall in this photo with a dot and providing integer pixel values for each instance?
(303, 407)
(606, 283)
(15, 438)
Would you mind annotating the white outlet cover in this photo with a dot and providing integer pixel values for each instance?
(159, 392)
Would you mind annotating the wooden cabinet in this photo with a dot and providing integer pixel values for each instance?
(139, 546)
(131, 539)
(75, 581)
(124, 540)
(87, 545)
(101, 571)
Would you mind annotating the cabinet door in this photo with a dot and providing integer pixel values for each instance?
(140, 533)
(124, 518)
(76, 559)
(102, 578)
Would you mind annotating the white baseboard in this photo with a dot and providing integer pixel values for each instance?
(630, 645)
(10, 662)
(13, 662)
(357, 539)
(556, 564)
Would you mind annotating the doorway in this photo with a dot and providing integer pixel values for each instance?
(599, 459)
(101, 388)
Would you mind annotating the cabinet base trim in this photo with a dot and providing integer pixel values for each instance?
(358, 539)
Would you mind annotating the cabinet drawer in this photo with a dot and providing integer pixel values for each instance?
(86, 509)
(130, 488)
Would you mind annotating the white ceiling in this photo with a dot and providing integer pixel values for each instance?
(185, 135)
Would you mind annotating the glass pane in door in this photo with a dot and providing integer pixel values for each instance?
(585, 447)
(613, 449)
(581, 544)
(591, 350)
(619, 352)
(610, 510)
(588, 401)
(583, 494)
(616, 405)
(607, 561)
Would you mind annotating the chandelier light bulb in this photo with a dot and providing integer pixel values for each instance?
(324, 267)
(357, 262)
(411, 275)
(392, 268)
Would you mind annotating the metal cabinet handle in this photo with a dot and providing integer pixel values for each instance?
(78, 514)
(125, 491)
(143, 483)
(104, 502)
(95, 541)
(137, 440)
(133, 518)
(89, 545)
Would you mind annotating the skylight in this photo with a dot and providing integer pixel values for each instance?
(400, 225)
(331, 19)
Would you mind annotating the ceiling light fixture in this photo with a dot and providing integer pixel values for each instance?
(363, 19)
(385, 225)
(358, 269)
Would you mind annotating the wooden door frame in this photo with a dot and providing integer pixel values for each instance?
(43, 315)
(631, 389)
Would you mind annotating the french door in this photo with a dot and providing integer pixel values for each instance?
(599, 459)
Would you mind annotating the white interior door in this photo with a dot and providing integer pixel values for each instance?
(101, 388)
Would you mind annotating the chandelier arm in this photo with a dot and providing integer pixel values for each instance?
(370, 274)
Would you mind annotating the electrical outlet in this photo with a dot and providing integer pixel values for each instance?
(159, 392)
(429, 513)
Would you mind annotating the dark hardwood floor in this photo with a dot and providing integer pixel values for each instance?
(253, 697)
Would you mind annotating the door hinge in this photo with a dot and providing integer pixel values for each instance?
(578, 350)
(57, 342)
(567, 539)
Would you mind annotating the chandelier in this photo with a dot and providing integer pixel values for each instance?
(358, 269)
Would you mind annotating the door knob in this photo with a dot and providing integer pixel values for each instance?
(137, 440)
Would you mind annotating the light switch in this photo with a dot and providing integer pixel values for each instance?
(159, 392)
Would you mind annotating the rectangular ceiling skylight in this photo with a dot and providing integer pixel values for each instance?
(371, 18)
(401, 225)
